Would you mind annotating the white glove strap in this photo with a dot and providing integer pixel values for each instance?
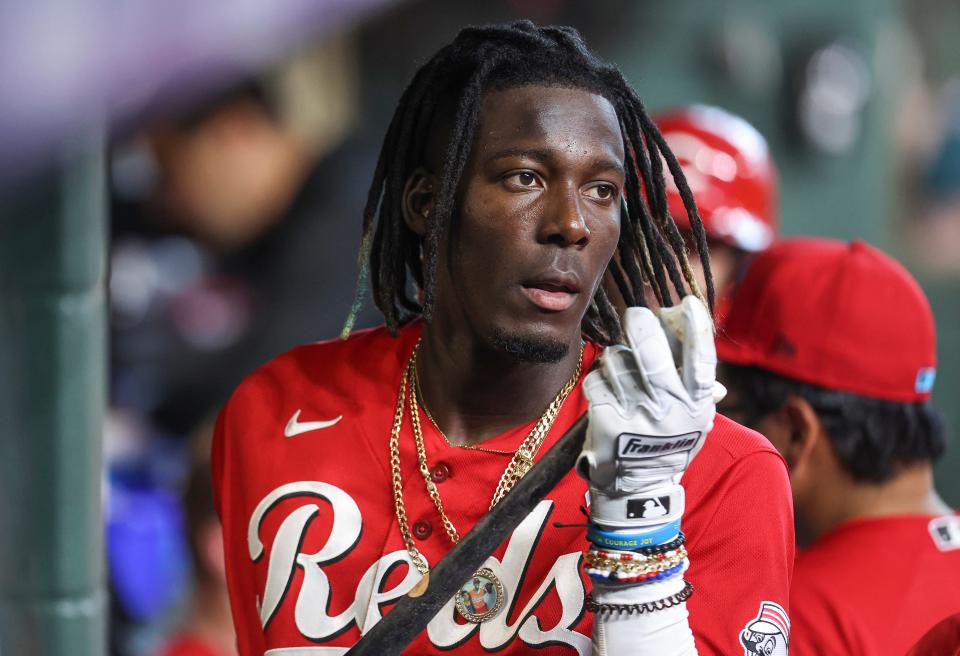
(638, 510)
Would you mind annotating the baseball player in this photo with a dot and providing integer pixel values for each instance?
(831, 354)
(728, 167)
(345, 470)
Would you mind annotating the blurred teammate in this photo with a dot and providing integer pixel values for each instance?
(830, 353)
(733, 178)
(208, 630)
(345, 470)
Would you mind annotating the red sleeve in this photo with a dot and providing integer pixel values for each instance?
(741, 555)
(228, 497)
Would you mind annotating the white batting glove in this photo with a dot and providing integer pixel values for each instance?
(651, 407)
(647, 420)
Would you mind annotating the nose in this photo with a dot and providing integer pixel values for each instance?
(563, 222)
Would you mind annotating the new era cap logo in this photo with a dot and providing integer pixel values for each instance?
(925, 379)
(632, 446)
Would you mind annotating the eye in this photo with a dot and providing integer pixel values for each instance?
(523, 180)
(602, 191)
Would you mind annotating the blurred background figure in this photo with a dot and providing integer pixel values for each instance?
(207, 629)
(829, 351)
(232, 242)
(234, 232)
(731, 173)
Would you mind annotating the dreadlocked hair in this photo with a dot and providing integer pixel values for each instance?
(401, 265)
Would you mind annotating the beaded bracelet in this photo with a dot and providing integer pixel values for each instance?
(645, 577)
(628, 560)
(663, 548)
(639, 609)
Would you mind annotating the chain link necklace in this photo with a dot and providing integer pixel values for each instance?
(485, 599)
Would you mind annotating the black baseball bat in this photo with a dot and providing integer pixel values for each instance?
(410, 616)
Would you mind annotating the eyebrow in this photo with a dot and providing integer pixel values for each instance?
(544, 155)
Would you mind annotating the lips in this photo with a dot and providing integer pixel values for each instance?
(553, 293)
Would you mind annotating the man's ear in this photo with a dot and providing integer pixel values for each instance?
(805, 432)
(419, 199)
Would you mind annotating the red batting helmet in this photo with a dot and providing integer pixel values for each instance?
(729, 169)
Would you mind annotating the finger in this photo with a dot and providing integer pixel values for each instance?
(719, 392)
(652, 351)
(597, 390)
(699, 362)
(622, 375)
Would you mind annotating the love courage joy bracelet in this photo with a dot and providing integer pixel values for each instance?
(633, 541)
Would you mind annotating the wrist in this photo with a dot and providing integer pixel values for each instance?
(629, 540)
(639, 510)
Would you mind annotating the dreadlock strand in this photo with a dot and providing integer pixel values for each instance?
(620, 280)
(689, 204)
(608, 315)
(591, 324)
(648, 238)
(457, 152)
(631, 241)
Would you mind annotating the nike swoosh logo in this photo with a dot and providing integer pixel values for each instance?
(296, 427)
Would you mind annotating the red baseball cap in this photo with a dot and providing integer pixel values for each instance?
(843, 316)
(730, 171)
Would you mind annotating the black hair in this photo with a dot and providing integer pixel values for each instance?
(872, 437)
(402, 265)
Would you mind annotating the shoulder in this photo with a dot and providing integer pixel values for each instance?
(731, 441)
(738, 490)
(339, 386)
(732, 451)
(331, 372)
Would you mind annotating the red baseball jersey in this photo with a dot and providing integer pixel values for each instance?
(875, 586)
(314, 553)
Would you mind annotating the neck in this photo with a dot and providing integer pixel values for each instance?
(909, 492)
(475, 391)
(211, 619)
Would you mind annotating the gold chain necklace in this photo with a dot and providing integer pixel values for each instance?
(486, 598)
(433, 422)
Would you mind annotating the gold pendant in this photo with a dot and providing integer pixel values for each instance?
(522, 467)
(480, 598)
(420, 586)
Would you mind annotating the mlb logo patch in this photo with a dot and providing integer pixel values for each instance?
(648, 507)
(925, 378)
(945, 532)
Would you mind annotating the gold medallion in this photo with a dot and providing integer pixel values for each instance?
(480, 598)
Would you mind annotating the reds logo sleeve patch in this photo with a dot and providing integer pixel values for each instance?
(768, 634)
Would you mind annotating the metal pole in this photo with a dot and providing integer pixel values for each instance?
(52, 396)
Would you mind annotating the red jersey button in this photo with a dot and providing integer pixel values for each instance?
(440, 473)
(422, 529)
